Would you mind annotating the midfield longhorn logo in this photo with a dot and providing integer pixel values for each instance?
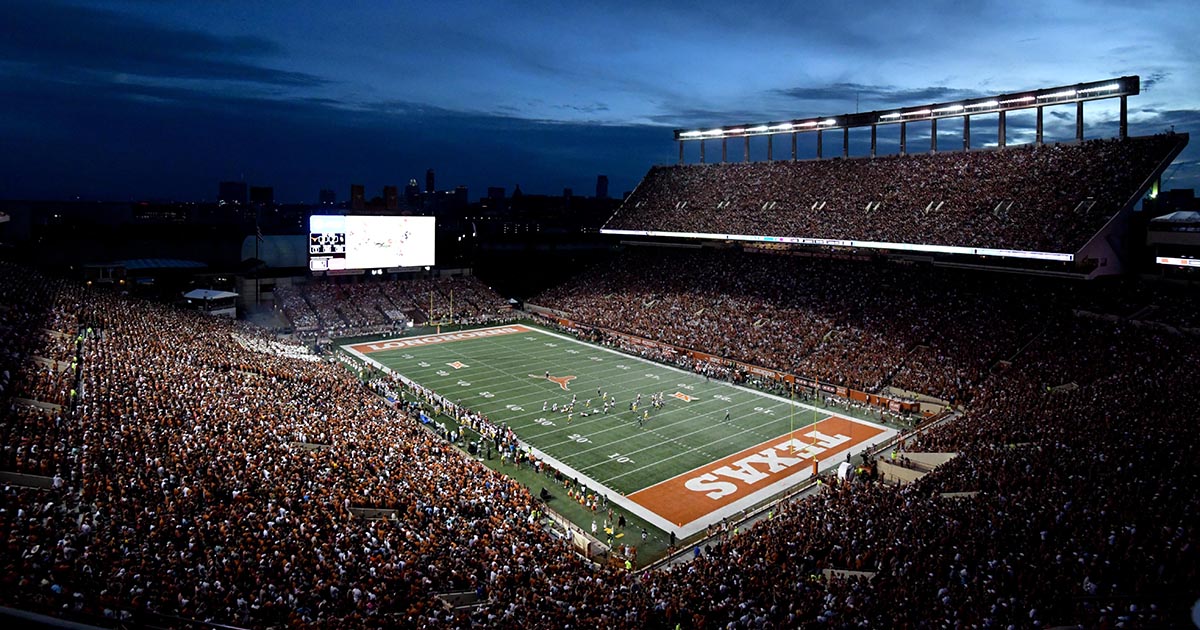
(561, 380)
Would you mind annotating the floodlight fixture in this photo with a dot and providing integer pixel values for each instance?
(1111, 87)
(1056, 95)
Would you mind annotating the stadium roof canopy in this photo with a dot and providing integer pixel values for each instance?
(209, 294)
(139, 264)
(1179, 217)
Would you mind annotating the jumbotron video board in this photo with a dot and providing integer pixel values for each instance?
(339, 242)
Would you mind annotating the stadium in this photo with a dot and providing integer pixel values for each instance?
(926, 389)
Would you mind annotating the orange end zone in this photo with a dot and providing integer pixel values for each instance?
(687, 497)
(429, 340)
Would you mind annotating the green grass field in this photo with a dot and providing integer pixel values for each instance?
(504, 378)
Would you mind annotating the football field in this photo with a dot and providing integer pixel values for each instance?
(709, 450)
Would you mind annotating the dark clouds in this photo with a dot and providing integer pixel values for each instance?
(163, 100)
(170, 142)
(58, 39)
(878, 95)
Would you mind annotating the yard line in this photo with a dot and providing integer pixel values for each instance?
(660, 461)
(671, 424)
(757, 397)
(516, 390)
(708, 428)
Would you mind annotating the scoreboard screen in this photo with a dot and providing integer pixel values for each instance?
(337, 242)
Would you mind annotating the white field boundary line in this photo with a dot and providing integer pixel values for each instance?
(516, 415)
(654, 430)
(611, 495)
(615, 497)
(653, 518)
(522, 415)
(694, 375)
(533, 387)
(659, 462)
(659, 425)
(862, 444)
(688, 450)
(616, 443)
(660, 413)
(584, 422)
(760, 495)
(675, 439)
(465, 334)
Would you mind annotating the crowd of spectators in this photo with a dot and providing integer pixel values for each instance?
(335, 309)
(190, 485)
(210, 479)
(1001, 199)
(866, 326)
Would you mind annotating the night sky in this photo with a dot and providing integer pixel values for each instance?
(161, 100)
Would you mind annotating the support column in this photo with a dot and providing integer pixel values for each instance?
(702, 150)
(770, 147)
(933, 135)
(681, 151)
(1040, 140)
(724, 149)
(903, 137)
(1079, 121)
(793, 146)
(746, 151)
(845, 142)
(1124, 129)
(1001, 133)
(874, 132)
(966, 133)
(819, 143)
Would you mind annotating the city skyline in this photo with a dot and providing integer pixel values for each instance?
(127, 100)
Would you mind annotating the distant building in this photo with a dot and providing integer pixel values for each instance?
(262, 195)
(412, 194)
(429, 187)
(1174, 200)
(358, 197)
(602, 186)
(391, 198)
(461, 198)
(232, 193)
(568, 193)
(327, 197)
(495, 192)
